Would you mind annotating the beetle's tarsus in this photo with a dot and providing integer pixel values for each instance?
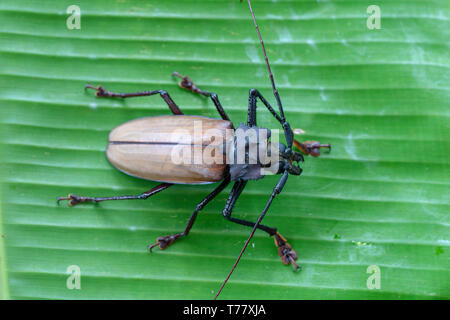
(311, 147)
(285, 251)
(150, 247)
(164, 242)
(99, 91)
(294, 264)
(74, 200)
(186, 82)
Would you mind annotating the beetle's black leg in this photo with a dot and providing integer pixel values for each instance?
(101, 92)
(251, 119)
(307, 147)
(164, 242)
(284, 249)
(74, 200)
(287, 254)
(234, 195)
(187, 83)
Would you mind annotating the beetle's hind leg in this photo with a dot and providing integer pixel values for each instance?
(102, 92)
(74, 200)
(188, 84)
(164, 242)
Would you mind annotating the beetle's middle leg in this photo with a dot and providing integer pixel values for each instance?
(102, 92)
(164, 242)
(188, 84)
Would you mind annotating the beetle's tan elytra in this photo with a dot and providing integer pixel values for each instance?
(144, 148)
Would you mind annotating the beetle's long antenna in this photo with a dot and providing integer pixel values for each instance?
(240, 255)
(275, 91)
(282, 180)
(275, 191)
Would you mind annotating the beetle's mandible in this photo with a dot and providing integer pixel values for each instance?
(143, 148)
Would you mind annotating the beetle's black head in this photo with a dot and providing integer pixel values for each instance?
(289, 160)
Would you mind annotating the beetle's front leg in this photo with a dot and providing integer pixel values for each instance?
(285, 251)
(287, 254)
(311, 147)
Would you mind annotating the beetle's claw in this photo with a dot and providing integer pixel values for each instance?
(288, 256)
(185, 82)
(74, 200)
(163, 242)
(311, 147)
(99, 91)
(285, 251)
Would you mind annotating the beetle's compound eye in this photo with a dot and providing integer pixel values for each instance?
(284, 151)
(282, 166)
(281, 147)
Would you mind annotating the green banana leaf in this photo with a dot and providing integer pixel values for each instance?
(378, 201)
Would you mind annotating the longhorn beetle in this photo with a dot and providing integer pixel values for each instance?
(141, 148)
